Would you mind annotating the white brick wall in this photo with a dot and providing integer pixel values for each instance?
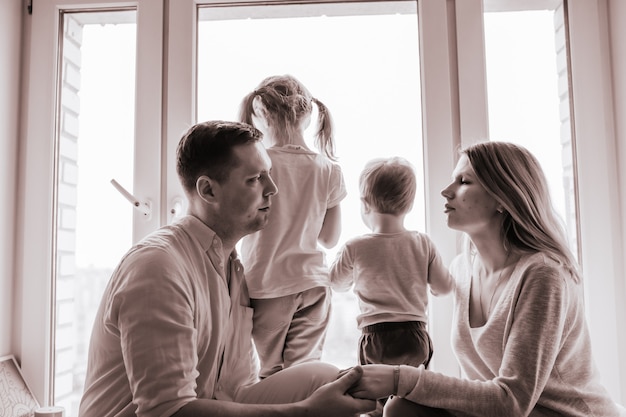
(65, 337)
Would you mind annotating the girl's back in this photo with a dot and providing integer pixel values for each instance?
(284, 257)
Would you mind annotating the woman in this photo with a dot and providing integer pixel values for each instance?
(519, 328)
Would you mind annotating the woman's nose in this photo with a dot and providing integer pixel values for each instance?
(447, 192)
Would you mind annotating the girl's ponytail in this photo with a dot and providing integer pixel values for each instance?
(246, 110)
(324, 136)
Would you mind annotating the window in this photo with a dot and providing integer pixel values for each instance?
(96, 145)
(439, 99)
(528, 96)
(368, 80)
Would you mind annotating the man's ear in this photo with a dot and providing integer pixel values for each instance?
(207, 188)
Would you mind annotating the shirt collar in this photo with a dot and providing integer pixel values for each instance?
(207, 238)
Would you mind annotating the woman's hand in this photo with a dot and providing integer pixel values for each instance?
(334, 398)
(377, 381)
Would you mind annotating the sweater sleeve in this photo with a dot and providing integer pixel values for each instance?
(531, 342)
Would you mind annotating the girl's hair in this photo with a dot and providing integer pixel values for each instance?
(285, 104)
(514, 178)
(388, 185)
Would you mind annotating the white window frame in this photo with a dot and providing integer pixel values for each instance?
(35, 261)
(599, 193)
(454, 113)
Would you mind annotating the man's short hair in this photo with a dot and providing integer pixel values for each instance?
(206, 149)
(388, 185)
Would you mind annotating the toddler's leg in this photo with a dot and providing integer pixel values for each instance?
(289, 385)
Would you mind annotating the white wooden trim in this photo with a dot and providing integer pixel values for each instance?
(598, 189)
(180, 113)
(34, 260)
(472, 73)
(441, 138)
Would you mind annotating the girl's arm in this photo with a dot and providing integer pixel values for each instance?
(331, 228)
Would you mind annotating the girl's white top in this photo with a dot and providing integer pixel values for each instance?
(284, 257)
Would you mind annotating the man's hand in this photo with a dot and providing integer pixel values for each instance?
(334, 400)
(377, 381)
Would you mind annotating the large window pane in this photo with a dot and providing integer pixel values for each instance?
(94, 222)
(528, 96)
(361, 60)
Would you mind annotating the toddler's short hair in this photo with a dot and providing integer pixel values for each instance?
(388, 185)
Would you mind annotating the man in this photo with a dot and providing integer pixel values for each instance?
(173, 332)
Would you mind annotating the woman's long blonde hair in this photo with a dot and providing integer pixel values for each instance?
(514, 178)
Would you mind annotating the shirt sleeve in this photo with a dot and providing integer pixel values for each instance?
(530, 348)
(153, 314)
(439, 278)
(342, 270)
(337, 186)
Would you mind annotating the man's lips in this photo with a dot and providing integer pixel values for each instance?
(448, 208)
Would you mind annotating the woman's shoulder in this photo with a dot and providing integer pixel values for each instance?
(541, 270)
(539, 261)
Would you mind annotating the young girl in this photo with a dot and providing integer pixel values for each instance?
(285, 269)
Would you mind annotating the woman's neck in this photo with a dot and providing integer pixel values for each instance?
(493, 255)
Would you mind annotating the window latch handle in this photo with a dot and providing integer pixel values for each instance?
(143, 208)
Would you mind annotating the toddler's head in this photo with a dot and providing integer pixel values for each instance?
(388, 185)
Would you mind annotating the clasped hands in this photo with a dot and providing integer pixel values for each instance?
(354, 391)
(376, 382)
